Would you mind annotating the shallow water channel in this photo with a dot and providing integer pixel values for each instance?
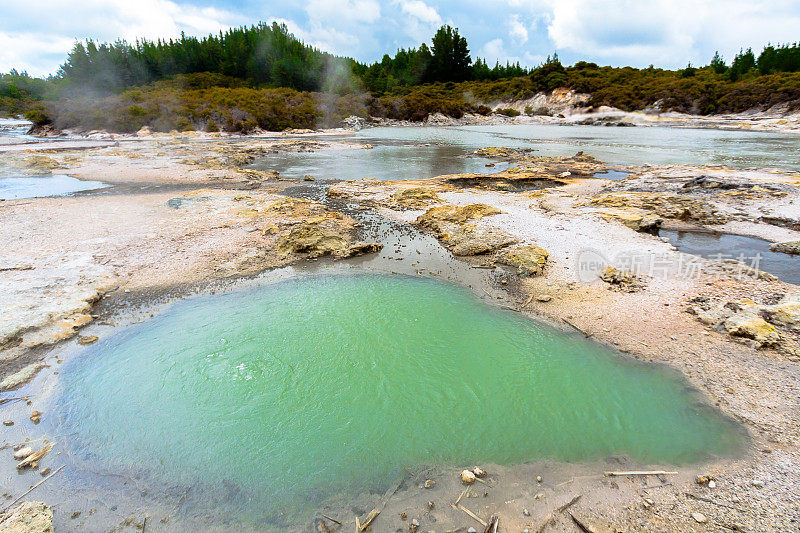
(269, 400)
(749, 250)
(16, 187)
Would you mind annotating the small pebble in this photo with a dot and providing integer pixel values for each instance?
(44, 471)
(403, 515)
(544, 298)
(36, 416)
(712, 484)
(75, 515)
(8, 422)
(89, 339)
(757, 483)
(429, 483)
(700, 518)
(472, 530)
(467, 477)
(431, 505)
(526, 512)
(538, 479)
(479, 472)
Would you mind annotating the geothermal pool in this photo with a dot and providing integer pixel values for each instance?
(16, 187)
(271, 399)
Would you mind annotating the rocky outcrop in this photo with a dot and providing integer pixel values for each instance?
(637, 221)
(764, 325)
(664, 205)
(790, 247)
(785, 313)
(474, 239)
(320, 237)
(457, 230)
(453, 214)
(751, 326)
(28, 517)
(622, 280)
(529, 260)
(415, 198)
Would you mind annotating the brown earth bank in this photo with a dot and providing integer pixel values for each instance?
(543, 237)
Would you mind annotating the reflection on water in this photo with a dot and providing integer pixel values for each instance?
(618, 146)
(422, 152)
(386, 161)
(753, 251)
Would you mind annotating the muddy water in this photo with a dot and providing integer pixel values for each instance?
(270, 399)
(750, 250)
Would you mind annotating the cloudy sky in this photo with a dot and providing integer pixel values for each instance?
(36, 35)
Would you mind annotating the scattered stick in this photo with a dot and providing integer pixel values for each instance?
(483, 480)
(358, 526)
(493, 523)
(470, 513)
(373, 514)
(547, 520)
(529, 300)
(20, 399)
(329, 518)
(551, 516)
(570, 480)
(144, 524)
(35, 457)
(712, 502)
(640, 473)
(569, 504)
(463, 493)
(583, 527)
(56, 471)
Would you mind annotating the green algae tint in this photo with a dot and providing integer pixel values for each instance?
(290, 393)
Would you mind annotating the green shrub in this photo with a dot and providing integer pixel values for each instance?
(507, 111)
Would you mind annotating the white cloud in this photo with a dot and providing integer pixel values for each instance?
(494, 51)
(421, 11)
(669, 32)
(517, 30)
(339, 12)
(40, 38)
(418, 20)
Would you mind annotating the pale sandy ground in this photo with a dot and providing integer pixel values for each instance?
(79, 248)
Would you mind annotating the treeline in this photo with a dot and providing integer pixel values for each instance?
(270, 56)
(447, 60)
(263, 77)
(261, 55)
